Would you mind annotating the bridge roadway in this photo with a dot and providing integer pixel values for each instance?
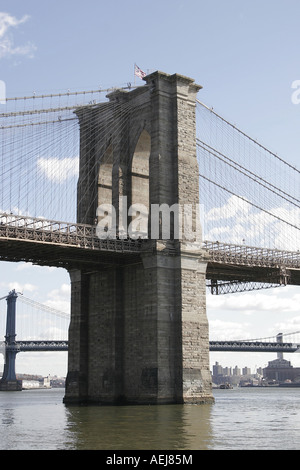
(241, 346)
(68, 245)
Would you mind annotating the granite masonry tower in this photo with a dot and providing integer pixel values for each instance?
(139, 331)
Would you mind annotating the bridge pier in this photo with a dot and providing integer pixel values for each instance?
(139, 331)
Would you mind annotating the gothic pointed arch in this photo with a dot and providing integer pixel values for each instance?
(140, 170)
(140, 183)
(105, 177)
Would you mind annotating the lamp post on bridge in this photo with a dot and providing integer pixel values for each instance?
(9, 380)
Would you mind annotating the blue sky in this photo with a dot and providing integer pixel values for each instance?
(244, 54)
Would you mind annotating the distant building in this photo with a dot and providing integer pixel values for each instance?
(46, 382)
(227, 371)
(221, 375)
(246, 371)
(236, 371)
(281, 370)
(217, 370)
(29, 384)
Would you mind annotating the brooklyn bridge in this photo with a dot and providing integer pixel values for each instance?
(79, 170)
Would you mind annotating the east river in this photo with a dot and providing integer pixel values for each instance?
(240, 419)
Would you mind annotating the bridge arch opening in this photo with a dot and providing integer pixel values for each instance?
(140, 196)
(105, 177)
(37, 285)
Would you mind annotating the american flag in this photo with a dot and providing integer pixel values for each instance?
(138, 72)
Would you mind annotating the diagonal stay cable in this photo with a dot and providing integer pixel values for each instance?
(236, 166)
(249, 202)
(248, 137)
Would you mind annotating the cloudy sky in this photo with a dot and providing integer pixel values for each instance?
(244, 54)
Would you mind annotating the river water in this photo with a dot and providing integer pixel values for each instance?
(240, 419)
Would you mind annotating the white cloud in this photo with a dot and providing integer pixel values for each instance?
(289, 326)
(7, 47)
(26, 265)
(237, 222)
(6, 21)
(59, 170)
(234, 207)
(60, 298)
(20, 287)
(52, 332)
(281, 299)
(228, 330)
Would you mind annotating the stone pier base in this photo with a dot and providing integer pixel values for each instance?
(139, 334)
(11, 386)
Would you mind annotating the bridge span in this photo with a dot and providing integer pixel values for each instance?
(229, 346)
(70, 245)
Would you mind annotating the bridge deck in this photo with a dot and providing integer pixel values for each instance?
(48, 242)
(62, 244)
(253, 346)
(241, 346)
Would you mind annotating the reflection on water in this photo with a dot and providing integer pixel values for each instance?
(239, 419)
(140, 427)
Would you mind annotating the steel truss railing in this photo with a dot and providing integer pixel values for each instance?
(61, 233)
(228, 253)
(231, 287)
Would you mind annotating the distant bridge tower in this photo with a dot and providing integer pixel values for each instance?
(9, 380)
(139, 331)
(279, 339)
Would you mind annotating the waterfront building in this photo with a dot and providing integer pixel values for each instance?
(281, 370)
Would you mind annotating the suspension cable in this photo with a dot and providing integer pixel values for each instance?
(247, 136)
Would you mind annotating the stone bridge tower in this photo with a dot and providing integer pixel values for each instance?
(139, 331)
